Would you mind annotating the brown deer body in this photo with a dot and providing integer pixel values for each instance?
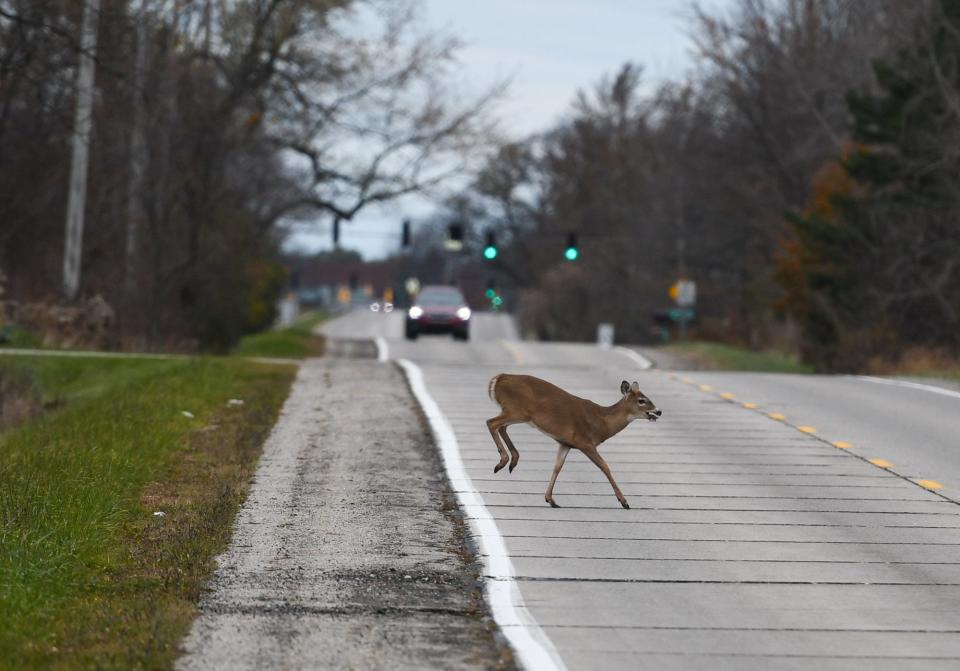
(574, 422)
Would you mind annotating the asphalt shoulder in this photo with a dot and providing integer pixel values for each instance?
(349, 551)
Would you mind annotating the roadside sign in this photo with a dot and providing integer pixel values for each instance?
(605, 335)
(684, 293)
(388, 295)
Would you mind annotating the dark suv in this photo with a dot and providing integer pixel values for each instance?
(439, 309)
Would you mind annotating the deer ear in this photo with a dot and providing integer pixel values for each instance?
(624, 387)
(635, 388)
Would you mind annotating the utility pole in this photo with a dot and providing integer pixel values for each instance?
(138, 150)
(82, 123)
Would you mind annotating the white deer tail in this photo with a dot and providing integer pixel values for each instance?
(491, 386)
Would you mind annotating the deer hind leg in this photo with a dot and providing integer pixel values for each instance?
(561, 458)
(514, 455)
(494, 424)
(595, 457)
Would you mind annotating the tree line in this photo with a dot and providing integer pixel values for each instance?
(217, 127)
(804, 175)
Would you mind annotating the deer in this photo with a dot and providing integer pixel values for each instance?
(574, 422)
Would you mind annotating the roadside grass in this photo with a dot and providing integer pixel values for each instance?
(296, 341)
(718, 356)
(19, 338)
(919, 362)
(89, 576)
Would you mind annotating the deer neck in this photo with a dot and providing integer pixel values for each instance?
(615, 419)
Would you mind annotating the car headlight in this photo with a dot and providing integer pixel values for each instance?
(415, 312)
(464, 313)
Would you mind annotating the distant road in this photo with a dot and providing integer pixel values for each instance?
(750, 544)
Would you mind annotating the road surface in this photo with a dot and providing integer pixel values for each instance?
(749, 544)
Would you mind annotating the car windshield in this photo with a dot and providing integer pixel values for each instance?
(440, 297)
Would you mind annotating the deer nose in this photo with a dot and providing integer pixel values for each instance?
(658, 413)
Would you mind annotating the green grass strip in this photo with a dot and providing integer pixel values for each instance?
(296, 341)
(89, 576)
(728, 357)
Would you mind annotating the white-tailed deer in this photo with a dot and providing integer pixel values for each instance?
(572, 421)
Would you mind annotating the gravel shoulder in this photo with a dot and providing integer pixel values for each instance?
(349, 551)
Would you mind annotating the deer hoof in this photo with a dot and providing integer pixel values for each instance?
(553, 504)
(625, 504)
(512, 466)
(498, 467)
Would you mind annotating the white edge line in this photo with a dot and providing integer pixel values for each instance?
(534, 650)
(639, 359)
(383, 351)
(909, 385)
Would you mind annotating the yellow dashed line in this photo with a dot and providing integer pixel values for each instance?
(840, 444)
(705, 387)
(687, 380)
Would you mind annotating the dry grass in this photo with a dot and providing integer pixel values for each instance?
(921, 361)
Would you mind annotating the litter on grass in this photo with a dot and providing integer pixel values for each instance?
(187, 414)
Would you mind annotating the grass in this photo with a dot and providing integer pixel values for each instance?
(89, 576)
(296, 341)
(19, 338)
(728, 357)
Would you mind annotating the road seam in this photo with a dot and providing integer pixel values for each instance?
(534, 650)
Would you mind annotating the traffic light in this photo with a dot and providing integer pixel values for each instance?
(454, 241)
(572, 252)
(490, 249)
(491, 289)
(405, 234)
(336, 231)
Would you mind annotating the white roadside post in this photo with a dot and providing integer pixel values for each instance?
(605, 335)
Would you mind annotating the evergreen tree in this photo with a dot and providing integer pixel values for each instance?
(881, 262)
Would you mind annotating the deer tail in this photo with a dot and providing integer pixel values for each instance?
(491, 387)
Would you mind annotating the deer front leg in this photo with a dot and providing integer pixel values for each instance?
(514, 455)
(561, 458)
(595, 457)
(494, 424)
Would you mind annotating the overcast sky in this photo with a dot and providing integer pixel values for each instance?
(549, 49)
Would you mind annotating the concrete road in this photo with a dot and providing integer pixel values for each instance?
(750, 543)
(914, 426)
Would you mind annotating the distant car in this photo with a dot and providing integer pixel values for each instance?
(388, 307)
(375, 307)
(439, 309)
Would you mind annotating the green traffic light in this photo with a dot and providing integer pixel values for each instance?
(497, 301)
(491, 293)
(490, 252)
(571, 254)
